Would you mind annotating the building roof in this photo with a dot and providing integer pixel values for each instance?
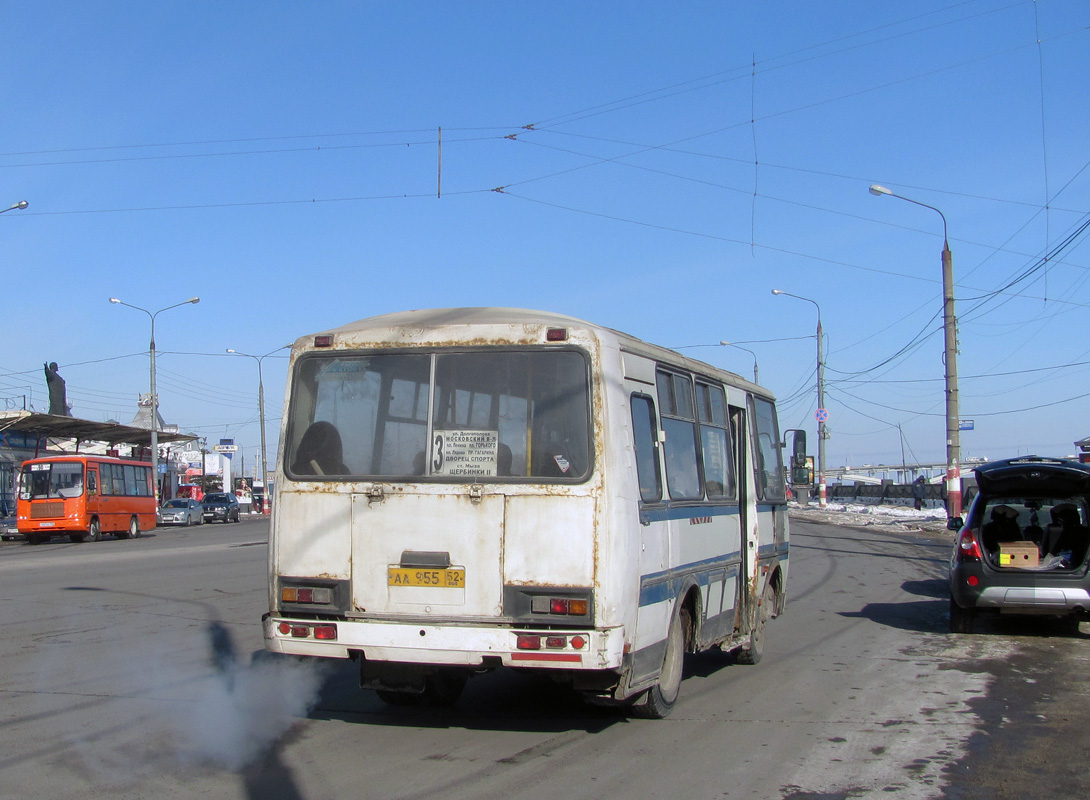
(82, 430)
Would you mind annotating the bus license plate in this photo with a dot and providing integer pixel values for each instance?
(413, 576)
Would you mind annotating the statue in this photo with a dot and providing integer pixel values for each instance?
(58, 403)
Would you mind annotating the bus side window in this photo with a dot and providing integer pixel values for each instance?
(714, 441)
(769, 461)
(645, 439)
(679, 424)
(92, 482)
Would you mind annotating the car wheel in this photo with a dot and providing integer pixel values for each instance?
(188, 520)
(961, 619)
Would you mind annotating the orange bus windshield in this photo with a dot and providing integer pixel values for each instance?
(61, 479)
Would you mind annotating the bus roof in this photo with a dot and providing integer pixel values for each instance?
(84, 457)
(403, 327)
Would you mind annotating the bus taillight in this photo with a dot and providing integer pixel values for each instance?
(327, 631)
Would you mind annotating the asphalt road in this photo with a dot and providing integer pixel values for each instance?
(125, 672)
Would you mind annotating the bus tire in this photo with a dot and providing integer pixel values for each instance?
(94, 530)
(442, 689)
(754, 649)
(658, 701)
(393, 698)
(134, 528)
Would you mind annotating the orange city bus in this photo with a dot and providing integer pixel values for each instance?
(84, 496)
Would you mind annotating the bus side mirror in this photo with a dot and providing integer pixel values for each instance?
(800, 472)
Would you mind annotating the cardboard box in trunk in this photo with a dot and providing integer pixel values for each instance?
(1018, 554)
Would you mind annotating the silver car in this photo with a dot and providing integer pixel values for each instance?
(181, 511)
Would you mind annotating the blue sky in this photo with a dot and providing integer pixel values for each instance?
(663, 166)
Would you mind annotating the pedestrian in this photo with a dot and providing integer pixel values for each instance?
(919, 490)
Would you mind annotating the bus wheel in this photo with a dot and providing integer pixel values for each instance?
(398, 698)
(134, 529)
(94, 530)
(658, 701)
(442, 689)
(754, 649)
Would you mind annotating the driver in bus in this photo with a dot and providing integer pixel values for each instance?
(320, 451)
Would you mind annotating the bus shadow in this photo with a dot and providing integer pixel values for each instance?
(497, 701)
(58, 540)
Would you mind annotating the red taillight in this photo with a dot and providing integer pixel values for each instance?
(556, 335)
(528, 641)
(306, 596)
(972, 580)
(968, 549)
(558, 605)
(323, 631)
(556, 642)
(323, 340)
(577, 642)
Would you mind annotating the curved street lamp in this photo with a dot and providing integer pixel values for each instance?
(261, 417)
(154, 399)
(20, 205)
(949, 326)
(820, 415)
(738, 347)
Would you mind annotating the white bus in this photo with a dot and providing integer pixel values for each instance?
(459, 490)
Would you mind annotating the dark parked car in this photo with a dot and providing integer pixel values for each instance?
(221, 507)
(9, 530)
(1023, 547)
(181, 511)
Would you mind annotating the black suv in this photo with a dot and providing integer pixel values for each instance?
(221, 507)
(1023, 547)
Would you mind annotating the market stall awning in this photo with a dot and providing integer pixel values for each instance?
(50, 426)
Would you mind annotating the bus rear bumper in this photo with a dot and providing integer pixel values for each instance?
(472, 646)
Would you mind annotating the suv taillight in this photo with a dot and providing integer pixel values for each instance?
(968, 549)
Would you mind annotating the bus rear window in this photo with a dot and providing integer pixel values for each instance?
(458, 416)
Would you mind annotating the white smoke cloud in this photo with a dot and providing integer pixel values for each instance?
(242, 711)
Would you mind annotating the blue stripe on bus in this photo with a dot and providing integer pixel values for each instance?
(666, 585)
(669, 512)
(769, 550)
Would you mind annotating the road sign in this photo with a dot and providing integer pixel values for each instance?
(225, 448)
(965, 424)
(822, 415)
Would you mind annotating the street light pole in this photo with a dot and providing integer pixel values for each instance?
(20, 205)
(154, 399)
(949, 327)
(267, 505)
(821, 413)
(732, 344)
